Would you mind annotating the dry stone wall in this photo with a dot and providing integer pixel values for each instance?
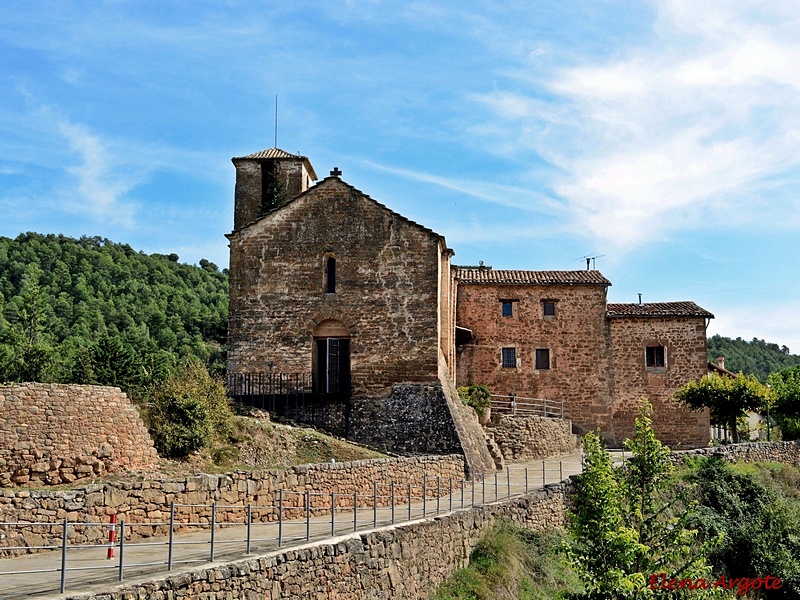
(150, 501)
(406, 561)
(55, 433)
(532, 438)
(781, 452)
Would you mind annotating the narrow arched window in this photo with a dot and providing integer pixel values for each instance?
(330, 275)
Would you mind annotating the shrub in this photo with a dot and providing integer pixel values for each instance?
(188, 411)
(476, 396)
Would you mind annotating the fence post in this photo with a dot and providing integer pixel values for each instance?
(333, 511)
(213, 527)
(508, 480)
(544, 475)
(473, 490)
(424, 495)
(450, 484)
(392, 491)
(171, 534)
(526, 480)
(308, 515)
(374, 503)
(483, 489)
(249, 526)
(409, 501)
(64, 556)
(463, 485)
(560, 470)
(495, 486)
(280, 517)
(355, 511)
(122, 550)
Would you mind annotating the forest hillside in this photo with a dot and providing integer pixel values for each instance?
(90, 310)
(755, 357)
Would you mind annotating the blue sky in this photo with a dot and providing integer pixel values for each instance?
(664, 135)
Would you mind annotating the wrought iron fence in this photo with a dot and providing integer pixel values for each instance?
(286, 394)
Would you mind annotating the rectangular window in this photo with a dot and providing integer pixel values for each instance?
(508, 308)
(655, 357)
(509, 356)
(542, 358)
(549, 308)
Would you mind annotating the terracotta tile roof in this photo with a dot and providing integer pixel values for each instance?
(487, 275)
(658, 309)
(271, 153)
(278, 153)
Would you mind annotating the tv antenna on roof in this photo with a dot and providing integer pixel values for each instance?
(590, 260)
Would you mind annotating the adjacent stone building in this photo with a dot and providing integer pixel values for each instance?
(325, 280)
(552, 335)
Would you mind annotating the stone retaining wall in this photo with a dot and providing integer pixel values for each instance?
(532, 438)
(404, 561)
(55, 433)
(780, 452)
(149, 501)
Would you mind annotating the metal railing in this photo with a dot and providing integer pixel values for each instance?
(522, 406)
(290, 394)
(237, 530)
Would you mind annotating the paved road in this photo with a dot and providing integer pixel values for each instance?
(88, 569)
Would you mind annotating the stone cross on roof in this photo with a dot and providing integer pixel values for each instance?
(336, 172)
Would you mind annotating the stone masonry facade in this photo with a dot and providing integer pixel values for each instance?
(56, 433)
(568, 344)
(684, 342)
(334, 284)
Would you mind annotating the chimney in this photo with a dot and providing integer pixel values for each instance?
(721, 362)
(640, 299)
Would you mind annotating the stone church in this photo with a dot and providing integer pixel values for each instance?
(325, 280)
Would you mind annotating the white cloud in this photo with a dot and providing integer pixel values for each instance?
(100, 185)
(505, 195)
(696, 122)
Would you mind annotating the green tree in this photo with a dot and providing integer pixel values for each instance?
(727, 398)
(785, 387)
(604, 549)
(188, 411)
(630, 525)
(759, 530)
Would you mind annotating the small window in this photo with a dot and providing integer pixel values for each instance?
(549, 308)
(330, 275)
(655, 357)
(508, 308)
(509, 356)
(542, 358)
